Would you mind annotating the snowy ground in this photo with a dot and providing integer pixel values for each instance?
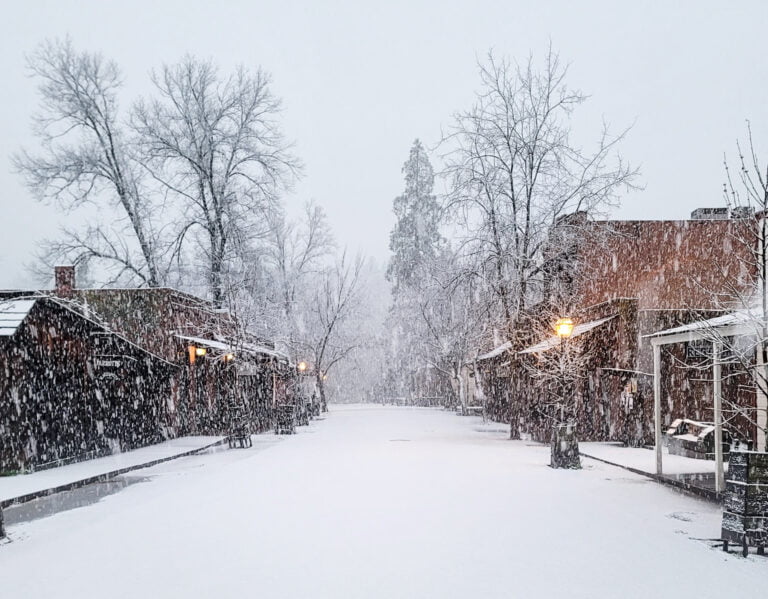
(644, 459)
(25, 484)
(380, 502)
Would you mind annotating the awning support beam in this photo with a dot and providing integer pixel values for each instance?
(717, 388)
(657, 406)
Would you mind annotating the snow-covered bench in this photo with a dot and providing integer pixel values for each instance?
(470, 410)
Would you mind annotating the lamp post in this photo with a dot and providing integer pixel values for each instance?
(565, 444)
(564, 330)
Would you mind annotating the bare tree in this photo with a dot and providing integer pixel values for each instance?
(87, 158)
(296, 250)
(557, 364)
(454, 321)
(360, 376)
(742, 293)
(514, 171)
(328, 335)
(557, 367)
(214, 145)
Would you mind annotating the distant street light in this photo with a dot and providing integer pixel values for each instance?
(196, 352)
(229, 357)
(302, 366)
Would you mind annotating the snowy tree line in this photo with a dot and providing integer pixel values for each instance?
(185, 188)
(491, 256)
(468, 262)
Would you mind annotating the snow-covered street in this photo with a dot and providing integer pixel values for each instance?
(379, 502)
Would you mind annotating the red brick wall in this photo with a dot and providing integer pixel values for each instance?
(669, 265)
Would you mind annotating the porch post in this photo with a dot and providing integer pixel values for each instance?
(657, 404)
(717, 382)
(761, 398)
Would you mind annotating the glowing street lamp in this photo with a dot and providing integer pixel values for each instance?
(200, 351)
(564, 327)
(229, 357)
(302, 366)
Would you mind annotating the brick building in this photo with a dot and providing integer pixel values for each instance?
(625, 280)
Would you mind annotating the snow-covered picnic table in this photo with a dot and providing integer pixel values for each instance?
(22, 485)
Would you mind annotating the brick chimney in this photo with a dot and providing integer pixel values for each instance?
(65, 280)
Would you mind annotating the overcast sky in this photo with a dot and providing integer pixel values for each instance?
(361, 80)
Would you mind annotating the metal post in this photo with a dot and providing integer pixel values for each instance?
(563, 374)
(657, 405)
(717, 348)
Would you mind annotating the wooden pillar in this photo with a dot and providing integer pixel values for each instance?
(657, 405)
(761, 370)
(717, 382)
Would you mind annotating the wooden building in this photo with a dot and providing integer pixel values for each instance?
(216, 370)
(625, 280)
(72, 389)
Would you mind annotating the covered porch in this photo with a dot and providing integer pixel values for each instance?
(714, 332)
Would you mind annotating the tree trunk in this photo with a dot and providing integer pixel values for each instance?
(321, 389)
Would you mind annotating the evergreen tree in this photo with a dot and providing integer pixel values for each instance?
(415, 239)
(415, 242)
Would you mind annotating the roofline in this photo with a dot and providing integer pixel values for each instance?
(550, 342)
(660, 338)
(669, 220)
(246, 347)
(52, 292)
(63, 304)
(172, 290)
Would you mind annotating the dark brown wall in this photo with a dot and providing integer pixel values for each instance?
(58, 398)
(151, 317)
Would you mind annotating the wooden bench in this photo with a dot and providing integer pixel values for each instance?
(239, 436)
(470, 410)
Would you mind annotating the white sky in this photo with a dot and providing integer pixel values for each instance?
(360, 81)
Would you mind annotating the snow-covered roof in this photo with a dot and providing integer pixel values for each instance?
(555, 341)
(206, 342)
(12, 314)
(260, 349)
(739, 317)
(14, 311)
(228, 347)
(496, 352)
